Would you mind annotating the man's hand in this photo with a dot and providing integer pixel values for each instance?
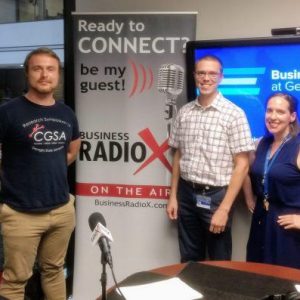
(219, 221)
(172, 208)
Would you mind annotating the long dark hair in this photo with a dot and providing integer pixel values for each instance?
(293, 104)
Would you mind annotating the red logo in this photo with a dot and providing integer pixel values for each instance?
(144, 78)
(158, 150)
(35, 129)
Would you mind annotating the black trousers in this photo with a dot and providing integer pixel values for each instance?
(195, 239)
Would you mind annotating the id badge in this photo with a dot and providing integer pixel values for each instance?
(203, 201)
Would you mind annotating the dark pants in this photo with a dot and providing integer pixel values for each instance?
(195, 239)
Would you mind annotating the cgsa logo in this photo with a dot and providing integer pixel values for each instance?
(49, 136)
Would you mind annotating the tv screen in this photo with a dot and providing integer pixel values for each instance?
(253, 70)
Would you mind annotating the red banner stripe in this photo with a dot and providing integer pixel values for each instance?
(123, 190)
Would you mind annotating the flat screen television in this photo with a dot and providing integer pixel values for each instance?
(253, 70)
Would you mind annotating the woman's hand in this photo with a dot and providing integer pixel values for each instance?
(250, 202)
(289, 221)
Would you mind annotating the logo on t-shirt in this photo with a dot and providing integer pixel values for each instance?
(47, 140)
(37, 127)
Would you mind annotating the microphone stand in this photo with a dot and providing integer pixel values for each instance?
(171, 111)
(103, 276)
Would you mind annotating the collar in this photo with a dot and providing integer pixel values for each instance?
(215, 104)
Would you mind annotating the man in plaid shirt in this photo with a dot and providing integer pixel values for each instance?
(211, 140)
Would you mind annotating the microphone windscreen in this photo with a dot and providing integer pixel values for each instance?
(170, 79)
(96, 218)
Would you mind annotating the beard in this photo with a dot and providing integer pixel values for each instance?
(41, 89)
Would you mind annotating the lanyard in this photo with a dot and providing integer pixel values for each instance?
(268, 164)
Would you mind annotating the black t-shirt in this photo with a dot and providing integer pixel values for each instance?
(35, 141)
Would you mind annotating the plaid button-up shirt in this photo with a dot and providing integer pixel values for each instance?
(208, 137)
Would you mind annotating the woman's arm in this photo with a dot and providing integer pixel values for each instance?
(290, 221)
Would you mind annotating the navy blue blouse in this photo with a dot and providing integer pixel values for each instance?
(283, 176)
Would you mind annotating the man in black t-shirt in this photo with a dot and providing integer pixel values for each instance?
(40, 138)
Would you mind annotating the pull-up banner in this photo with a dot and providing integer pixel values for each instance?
(124, 166)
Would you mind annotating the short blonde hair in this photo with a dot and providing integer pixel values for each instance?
(213, 58)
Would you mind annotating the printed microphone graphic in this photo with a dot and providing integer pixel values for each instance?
(170, 81)
(101, 235)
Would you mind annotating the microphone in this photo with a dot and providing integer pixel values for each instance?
(101, 235)
(170, 81)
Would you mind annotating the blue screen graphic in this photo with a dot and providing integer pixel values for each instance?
(253, 73)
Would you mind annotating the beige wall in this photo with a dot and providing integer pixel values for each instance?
(218, 19)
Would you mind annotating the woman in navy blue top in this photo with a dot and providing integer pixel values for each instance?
(275, 178)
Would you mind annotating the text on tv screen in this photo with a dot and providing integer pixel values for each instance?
(253, 70)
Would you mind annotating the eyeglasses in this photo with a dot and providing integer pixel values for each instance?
(211, 75)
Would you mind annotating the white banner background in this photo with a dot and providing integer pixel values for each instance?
(124, 166)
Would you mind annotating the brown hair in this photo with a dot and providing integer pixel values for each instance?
(293, 104)
(213, 58)
(41, 50)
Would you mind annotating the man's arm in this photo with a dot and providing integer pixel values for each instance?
(73, 150)
(249, 196)
(240, 170)
(172, 207)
